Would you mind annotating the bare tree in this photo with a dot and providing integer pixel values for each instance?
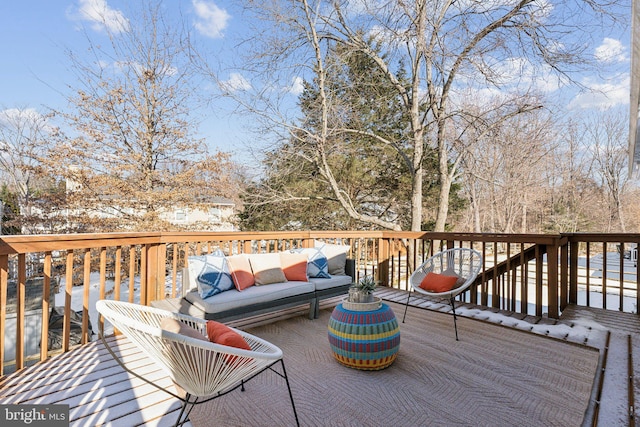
(24, 133)
(607, 138)
(131, 152)
(571, 191)
(446, 47)
(502, 170)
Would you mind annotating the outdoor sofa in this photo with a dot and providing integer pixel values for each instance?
(224, 288)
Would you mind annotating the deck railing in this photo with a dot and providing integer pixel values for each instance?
(526, 273)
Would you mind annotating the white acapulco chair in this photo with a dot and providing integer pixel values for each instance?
(202, 369)
(463, 263)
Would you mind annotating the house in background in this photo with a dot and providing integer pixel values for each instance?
(217, 214)
(214, 214)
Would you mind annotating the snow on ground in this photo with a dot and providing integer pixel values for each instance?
(581, 331)
(77, 296)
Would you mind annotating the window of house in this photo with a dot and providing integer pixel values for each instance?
(215, 215)
(181, 215)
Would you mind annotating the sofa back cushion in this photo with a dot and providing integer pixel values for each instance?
(336, 256)
(294, 266)
(241, 272)
(266, 268)
(211, 274)
(316, 262)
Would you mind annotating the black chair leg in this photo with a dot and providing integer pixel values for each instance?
(455, 323)
(293, 405)
(185, 411)
(406, 306)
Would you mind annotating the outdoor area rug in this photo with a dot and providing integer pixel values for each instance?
(493, 376)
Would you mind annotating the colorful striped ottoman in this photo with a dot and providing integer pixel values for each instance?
(367, 340)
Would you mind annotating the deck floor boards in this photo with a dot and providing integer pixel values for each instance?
(97, 389)
(100, 392)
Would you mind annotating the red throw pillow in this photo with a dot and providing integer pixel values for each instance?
(240, 269)
(220, 333)
(294, 266)
(434, 282)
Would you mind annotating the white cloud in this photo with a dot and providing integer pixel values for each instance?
(611, 51)
(212, 20)
(522, 73)
(235, 83)
(101, 16)
(602, 95)
(297, 86)
(14, 116)
(24, 123)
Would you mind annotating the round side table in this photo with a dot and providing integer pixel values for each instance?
(367, 340)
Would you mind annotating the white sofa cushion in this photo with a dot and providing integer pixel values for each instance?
(266, 268)
(253, 295)
(322, 284)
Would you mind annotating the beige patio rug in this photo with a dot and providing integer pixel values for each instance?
(493, 376)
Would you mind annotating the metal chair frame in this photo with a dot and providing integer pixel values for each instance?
(221, 369)
(465, 263)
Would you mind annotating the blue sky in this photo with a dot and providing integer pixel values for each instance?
(35, 70)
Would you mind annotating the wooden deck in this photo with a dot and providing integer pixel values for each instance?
(99, 392)
(615, 334)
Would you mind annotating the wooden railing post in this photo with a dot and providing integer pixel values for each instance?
(153, 270)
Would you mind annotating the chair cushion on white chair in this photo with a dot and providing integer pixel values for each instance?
(445, 275)
(220, 333)
(434, 282)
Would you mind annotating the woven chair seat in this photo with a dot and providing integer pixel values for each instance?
(465, 263)
(204, 370)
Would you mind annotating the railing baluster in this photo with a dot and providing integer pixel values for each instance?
(552, 280)
(132, 271)
(46, 309)
(118, 273)
(103, 278)
(4, 277)
(539, 282)
(524, 280)
(20, 312)
(66, 323)
(588, 263)
(604, 275)
(86, 283)
(621, 276)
